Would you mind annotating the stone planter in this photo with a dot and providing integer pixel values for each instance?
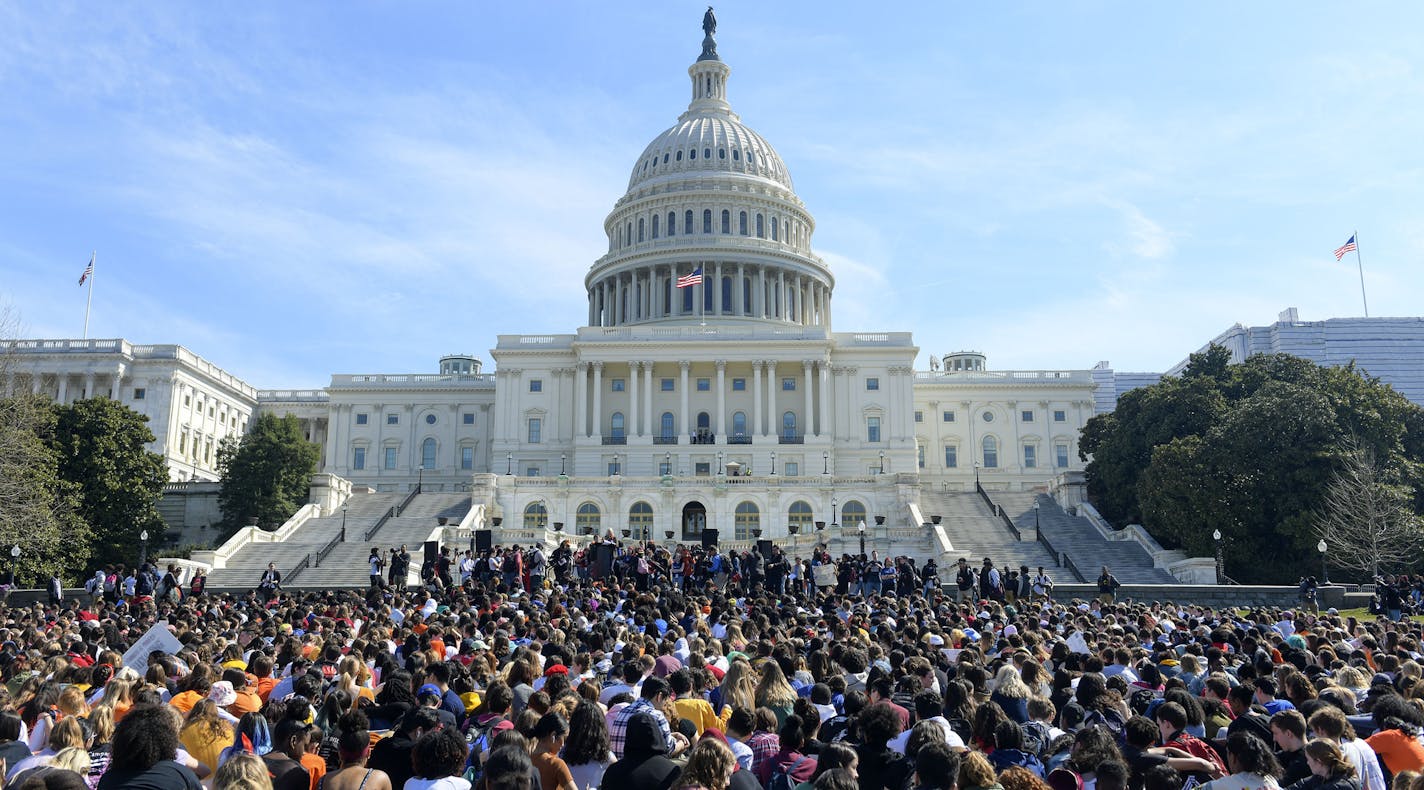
(935, 520)
(442, 520)
(879, 521)
(497, 521)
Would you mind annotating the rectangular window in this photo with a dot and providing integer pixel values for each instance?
(187, 400)
(951, 457)
(533, 471)
(1060, 416)
(393, 419)
(793, 468)
(468, 418)
(616, 385)
(139, 393)
(664, 468)
(666, 385)
(920, 455)
(1030, 456)
(358, 460)
(739, 385)
(362, 418)
(536, 385)
(872, 384)
(872, 429)
(467, 458)
(391, 457)
(919, 416)
(1026, 415)
(704, 385)
(1061, 453)
(948, 416)
(536, 428)
(788, 385)
(702, 469)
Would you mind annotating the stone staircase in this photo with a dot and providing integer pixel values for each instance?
(345, 565)
(977, 533)
(1081, 541)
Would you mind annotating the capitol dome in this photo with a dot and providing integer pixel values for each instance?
(710, 205)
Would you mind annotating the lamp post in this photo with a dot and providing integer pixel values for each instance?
(1216, 536)
(14, 563)
(976, 475)
(142, 551)
(833, 512)
(667, 464)
(343, 521)
(825, 462)
(773, 463)
(721, 468)
(1324, 572)
(509, 463)
(861, 529)
(882, 462)
(562, 458)
(420, 479)
(1035, 515)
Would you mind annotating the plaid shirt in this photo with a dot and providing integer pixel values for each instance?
(764, 746)
(618, 730)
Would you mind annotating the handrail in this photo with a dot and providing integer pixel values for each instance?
(1073, 568)
(321, 553)
(301, 566)
(393, 512)
(998, 511)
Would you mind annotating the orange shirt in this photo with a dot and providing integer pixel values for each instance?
(265, 686)
(1400, 752)
(184, 701)
(247, 702)
(316, 767)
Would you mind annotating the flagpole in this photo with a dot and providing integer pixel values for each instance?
(1362, 274)
(89, 300)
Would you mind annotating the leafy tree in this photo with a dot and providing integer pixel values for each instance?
(1364, 520)
(267, 474)
(100, 447)
(38, 509)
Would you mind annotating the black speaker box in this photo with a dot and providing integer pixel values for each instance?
(484, 540)
(709, 538)
(432, 550)
(764, 547)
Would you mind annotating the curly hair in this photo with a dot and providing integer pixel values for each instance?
(878, 724)
(976, 771)
(145, 737)
(710, 764)
(439, 754)
(1251, 755)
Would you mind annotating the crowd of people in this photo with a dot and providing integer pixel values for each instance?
(639, 668)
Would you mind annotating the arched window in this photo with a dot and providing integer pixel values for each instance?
(616, 425)
(852, 513)
(628, 234)
(687, 223)
(672, 223)
(800, 514)
(655, 226)
(640, 521)
(746, 296)
(788, 425)
(706, 295)
(679, 156)
(747, 518)
(726, 221)
(761, 226)
(640, 228)
(686, 299)
(667, 425)
(991, 452)
(774, 236)
(535, 515)
(726, 296)
(427, 453)
(707, 220)
(704, 424)
(587, 520)
(742, 223)
(739, 423)
(692, 154)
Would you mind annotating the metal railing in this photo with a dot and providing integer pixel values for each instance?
(612, 440)
(393, 512)
(301, 566)
(791, 438)
(321, 553)
(998, 511)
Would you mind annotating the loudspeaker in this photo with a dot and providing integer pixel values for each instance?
(764, 548)
(484, 540)
(601, 559)
(432, 550)
(709, 538)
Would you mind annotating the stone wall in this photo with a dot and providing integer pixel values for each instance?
(1239, 595)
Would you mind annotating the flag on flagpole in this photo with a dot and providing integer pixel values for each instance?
(1348, 246)
(691, 279)
(88, 271)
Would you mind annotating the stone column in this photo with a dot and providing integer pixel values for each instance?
(781, 300)
(648, 402)
(825, 397)
(634, 428)
(618, 314)
(597, 399)
(682, 391)
(63, 388)
(759, 309)
(756, 429)
(581, 400)
(809, 420)
(88, 385)
(717, 293)
(773, 418)
(720, 425)
(331, 438)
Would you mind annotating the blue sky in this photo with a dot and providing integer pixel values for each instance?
(299, 189)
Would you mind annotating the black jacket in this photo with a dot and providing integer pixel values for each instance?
(644, 765)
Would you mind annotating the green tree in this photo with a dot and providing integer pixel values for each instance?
(267, 475)
(38, 509)
(100, 444)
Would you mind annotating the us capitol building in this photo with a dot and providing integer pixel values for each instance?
(729, 403)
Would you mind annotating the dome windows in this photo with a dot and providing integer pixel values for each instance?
(727, 221)
(692, 154)
(721, 153)
(679, 156)
(707, 220)
(672, 223)
(707, 153)
(665, 158)
(742, 223)
(736, 155)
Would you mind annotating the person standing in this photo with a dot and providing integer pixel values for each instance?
(964, 581)
(56, 589)
(538, 568)
(271, 580)
(1107, 586)
(1042, 584)
(376, 564)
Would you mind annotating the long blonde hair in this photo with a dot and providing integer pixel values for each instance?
(1008, 683)
(242, 771)
(739, 686)
(773, 691)
(710, 764)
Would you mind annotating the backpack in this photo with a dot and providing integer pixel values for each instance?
(145, 584)
(510, 565)
(1035, 737)
(783, 780)
(110, 582)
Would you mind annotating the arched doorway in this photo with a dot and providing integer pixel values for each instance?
(694, 520)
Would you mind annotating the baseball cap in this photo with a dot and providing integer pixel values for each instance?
(429, 688)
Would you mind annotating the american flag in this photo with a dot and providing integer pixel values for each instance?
(688, 280)
(88, 271)
(1348, 246)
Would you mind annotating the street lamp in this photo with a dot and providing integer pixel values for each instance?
(976, 474)
(882, 462)
(142, 552)
(667, 464)
(825, 462)
(721, 468)
(1216, 536)
(14, 563)
(562, 457)
(773, 463)
(344, 505)
(509, 463)
(861, 530)
(833, 512)
(1324, 572)
(420, 479)
(1035, 515)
